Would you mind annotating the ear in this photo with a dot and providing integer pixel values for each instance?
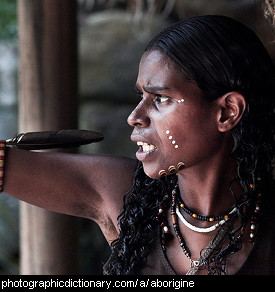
(231, 109)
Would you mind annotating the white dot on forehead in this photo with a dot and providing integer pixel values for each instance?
(167, 132)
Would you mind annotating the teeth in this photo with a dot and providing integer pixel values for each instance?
(146, 147)
(152, 147)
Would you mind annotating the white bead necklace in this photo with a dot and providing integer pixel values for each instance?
(201, 229)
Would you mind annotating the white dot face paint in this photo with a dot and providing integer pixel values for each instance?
(170, 137)
(174, 168)
(168, 131)
(174, 144)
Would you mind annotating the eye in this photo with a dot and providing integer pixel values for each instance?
(161, 98)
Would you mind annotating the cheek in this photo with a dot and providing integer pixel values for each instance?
(171, 139)
(173, 152)
(185, 139)
(189, 144)
(171, 132)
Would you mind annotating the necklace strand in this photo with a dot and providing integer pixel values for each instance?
(205, 254)
(202, 229)
(176, 227)
(194, 264)
(202, 217)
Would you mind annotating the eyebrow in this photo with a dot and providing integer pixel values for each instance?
(153, 89)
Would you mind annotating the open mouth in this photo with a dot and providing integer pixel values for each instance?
(146, 147)
(146, 151)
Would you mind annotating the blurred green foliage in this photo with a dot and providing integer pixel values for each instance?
(8, 19)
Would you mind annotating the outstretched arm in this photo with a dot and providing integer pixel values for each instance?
(90, 186)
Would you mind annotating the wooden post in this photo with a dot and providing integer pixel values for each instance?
(47, 101)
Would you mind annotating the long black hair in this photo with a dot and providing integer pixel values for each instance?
(221, 55)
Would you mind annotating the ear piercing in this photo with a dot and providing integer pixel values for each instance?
(172, 169)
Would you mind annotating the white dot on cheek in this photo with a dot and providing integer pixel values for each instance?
(167, 132)
(170, 137)
(176, 146)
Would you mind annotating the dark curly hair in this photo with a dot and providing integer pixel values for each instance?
(221, 55)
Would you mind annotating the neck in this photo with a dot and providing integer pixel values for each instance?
(205, 188)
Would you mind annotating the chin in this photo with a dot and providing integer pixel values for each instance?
(151, 172)
(152, 175)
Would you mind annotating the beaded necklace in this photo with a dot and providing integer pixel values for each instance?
(202, 217)
(205, 254)
(167, 235)
(199, 229)
(221, 219)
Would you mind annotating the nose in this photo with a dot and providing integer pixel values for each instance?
(139, 117)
